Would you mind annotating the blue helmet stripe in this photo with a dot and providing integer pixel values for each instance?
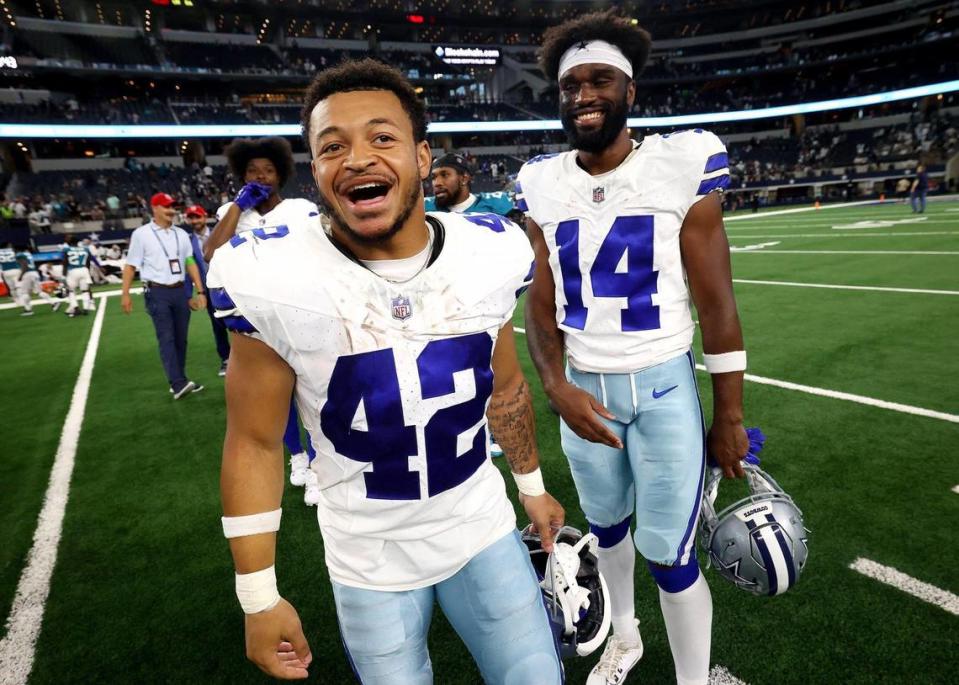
(757, 537)
(787, 553)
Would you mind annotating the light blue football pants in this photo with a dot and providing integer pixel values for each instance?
(659, 472)
(494, 603)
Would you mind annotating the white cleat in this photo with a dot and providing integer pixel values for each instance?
(311, 497)
(617, 661)
(299, 467)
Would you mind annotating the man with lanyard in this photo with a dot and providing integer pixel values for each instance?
(76, 270)
(29, 282)
(452, 178)
(196, 217)
(162, 253)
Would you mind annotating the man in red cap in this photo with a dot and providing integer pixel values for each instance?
(163, 255)
(196, 218)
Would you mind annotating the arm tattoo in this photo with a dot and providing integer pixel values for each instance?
(511, 420)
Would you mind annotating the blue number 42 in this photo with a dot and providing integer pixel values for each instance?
(631, 236)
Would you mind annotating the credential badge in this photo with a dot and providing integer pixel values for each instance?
(599, 194)
(401, 307)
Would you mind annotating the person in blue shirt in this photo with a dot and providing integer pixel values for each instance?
(199, 234)
(452, 177)
(919, 189)
(29, 282)
(163, 255)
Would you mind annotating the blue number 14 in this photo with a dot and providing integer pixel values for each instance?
(631, 236)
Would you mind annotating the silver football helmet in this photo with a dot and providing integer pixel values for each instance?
(759, 542)
(574, 590)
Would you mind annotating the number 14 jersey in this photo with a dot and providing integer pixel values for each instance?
(392, 384)
(613, 239)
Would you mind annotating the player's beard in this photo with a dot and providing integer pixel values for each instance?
(340, 222)
(614, 121)
(450, 198)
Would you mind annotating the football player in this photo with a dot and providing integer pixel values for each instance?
(9, 269)
(76, 266)
(625, 233)
(28, 283)
(452, 178)
(389, 327)
(265, 165)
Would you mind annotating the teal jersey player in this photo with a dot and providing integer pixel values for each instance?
(452, 177)
(76, 256)
(27, 257)
(8, 259)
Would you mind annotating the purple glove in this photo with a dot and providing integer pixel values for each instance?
(251, 195)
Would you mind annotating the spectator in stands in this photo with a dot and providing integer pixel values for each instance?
(919, 189)
(199, 233)
(163, 254)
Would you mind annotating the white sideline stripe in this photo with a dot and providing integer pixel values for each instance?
(955, 489)
(838, 235)
(720, 675)
(17, 647)
(801, 210)
(107, 293)
(901, 252)
(837, 395)
(899, 580)
(848, 287)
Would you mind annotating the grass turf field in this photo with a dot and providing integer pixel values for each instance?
(142, 588)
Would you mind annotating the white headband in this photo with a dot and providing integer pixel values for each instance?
(595, 52)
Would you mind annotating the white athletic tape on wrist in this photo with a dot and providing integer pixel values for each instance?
(254, 524)
(530, 484)
(725, 362)
(257, 591)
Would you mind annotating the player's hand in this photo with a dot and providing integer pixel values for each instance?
(727, 444)
(546, 515)
(276, 644)
(126, 304)
(197, 303)
(251, 195)
(581, 412)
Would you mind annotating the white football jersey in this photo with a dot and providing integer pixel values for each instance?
(621, 294)
(288, 212)
(392, 383)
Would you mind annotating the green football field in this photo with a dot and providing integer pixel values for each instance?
(142, 587)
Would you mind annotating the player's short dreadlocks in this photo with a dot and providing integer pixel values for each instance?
(364, 74)
(607, 25)
(276, 149)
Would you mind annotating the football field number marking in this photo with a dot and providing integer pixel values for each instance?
(890, 576)
(26, 614)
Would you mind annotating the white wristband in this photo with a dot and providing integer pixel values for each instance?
(530, 484)
(257, 591)
(725, 362)
(254, 524)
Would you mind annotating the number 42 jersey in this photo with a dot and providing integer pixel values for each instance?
(621, 293)
(392, 383)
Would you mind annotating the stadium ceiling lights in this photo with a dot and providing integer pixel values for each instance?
(231, 131)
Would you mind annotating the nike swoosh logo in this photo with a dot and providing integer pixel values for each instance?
(657, 395)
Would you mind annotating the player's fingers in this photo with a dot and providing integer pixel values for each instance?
(604, 435)
(545, 534)
(301, 647)
(600, 409)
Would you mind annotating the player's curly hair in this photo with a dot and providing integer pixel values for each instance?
(277, 150)
(607, 25)
(364, 74)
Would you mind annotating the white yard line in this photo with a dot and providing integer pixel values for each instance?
(876, 288)
(839, 235)
(803, 210)
(899, 580)
(759, 250)
(720, 675)
(105, 293)
(17, 647)
(837, 395)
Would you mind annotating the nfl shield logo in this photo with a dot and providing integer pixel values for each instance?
(402, 310)
(599, 194)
